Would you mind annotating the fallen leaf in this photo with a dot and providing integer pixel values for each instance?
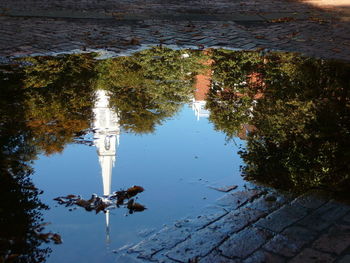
(318, 20)
(82, 203)
(132, 191)
(98, 204)
(135, 207)
(101, 207)
(282, 20)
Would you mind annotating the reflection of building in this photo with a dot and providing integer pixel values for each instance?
(106, 139)
(202, 86)
(203, 83)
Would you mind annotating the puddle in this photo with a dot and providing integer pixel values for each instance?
(179, 124)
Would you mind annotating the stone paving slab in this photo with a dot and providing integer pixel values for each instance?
(256, 229)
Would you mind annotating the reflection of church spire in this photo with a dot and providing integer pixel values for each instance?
(106, 139)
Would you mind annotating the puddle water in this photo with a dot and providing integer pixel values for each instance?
(178, 124)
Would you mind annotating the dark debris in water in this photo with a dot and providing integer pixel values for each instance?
(123, 198)
(225, 189)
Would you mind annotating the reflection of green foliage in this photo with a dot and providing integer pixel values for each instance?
(59, 99)
(20, 215)
(44, 72)
(232, 68)
(145, 89)
(228, 112)
(232, 96)
(42, 106)
(149, 86)
(302, 133)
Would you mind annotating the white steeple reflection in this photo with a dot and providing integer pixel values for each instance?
(106, 140)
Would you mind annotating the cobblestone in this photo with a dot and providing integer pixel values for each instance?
(290, 241)
(215, 256)
(199, 244)
(237, 199)
(245, 242)
(257, 228)
(344, 259)
(262, 256)
(165, 239)
(312, 256)
(282, 218)
(310, 201)
(347, 218)
(324, 216)
(237, 220)
(335, 241)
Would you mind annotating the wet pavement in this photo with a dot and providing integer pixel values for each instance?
(33, 27)
(254, 225)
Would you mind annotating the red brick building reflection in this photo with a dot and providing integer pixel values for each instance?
(203, 84)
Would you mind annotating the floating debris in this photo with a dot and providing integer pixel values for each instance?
(225, 189)
(123, 198)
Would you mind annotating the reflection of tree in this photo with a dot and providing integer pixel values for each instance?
(20, 216)
(20, 237)
(149, 86)
(59, 98)
(302, 136)
(235, 88)
(43, 105)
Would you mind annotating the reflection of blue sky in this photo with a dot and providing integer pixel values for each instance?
(174, 165)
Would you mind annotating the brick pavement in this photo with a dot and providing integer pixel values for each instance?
(254, 225)
(41, 27)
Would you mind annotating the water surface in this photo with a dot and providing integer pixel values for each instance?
(177, 123)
